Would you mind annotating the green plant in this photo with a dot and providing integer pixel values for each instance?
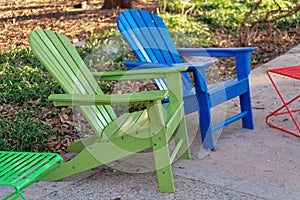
(22, 78)
(22, 83)
(186, 30)
(24, 134)
(229, 13)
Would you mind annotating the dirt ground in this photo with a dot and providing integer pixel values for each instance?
(19, 18)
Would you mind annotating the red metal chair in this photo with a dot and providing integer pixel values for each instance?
(291, 72)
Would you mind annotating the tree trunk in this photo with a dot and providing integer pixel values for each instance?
(111, 4)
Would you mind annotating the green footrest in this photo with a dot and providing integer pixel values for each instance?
(21, 169)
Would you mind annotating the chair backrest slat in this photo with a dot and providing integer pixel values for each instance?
(61, 59)
(161, 37)
(127, 27)
(150, 41)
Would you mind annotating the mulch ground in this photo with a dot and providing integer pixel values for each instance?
(19, 18)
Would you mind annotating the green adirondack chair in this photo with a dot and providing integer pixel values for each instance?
(115, 137)
(21, 169)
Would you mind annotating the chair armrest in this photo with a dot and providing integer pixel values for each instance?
(242, 56)
(215, 52)
(87, 100)
(156, 72)
(148, 65)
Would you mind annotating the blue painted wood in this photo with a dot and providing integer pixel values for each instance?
(158, 48)
(215, 51)
(151, 42)
(229, 121)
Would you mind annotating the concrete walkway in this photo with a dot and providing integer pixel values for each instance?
(259, 164)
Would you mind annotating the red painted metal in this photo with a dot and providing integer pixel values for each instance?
(291, 72)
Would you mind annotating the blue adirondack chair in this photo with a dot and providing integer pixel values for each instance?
(150, 41)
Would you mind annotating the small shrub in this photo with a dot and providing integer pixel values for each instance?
(186, 30)
(24, 134)
(22, 78)
(230, 13)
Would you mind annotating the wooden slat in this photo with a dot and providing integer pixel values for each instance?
(80, 70)
(147, 34)
(167, 40)
(63, 62)
(62, 74)
(157, 40)
(175, 151)
(129, 36)
(136, 35)
(129, 98)
(60, 70)
(137, 43)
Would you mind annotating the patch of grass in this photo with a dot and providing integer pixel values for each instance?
(106, 52)
(229, 13)
(24, 134)
(22, 78)
(185, 30)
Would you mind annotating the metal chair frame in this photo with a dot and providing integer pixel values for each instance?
(290, 72)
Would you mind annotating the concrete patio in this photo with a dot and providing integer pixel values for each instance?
(248, 164)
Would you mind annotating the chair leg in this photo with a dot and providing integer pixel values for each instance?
(243, 60)
(162, 162)
(204, 115)
(207, 134)
(206, 131)
(181, 134)
(245, 101)
(15, 195)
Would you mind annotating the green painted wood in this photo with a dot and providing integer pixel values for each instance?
(88, 100)
(80, 144)
(63, 62)
(140, 120)
(115, 137)
(160, 148)
(128, 125)
(162, 162)
(184, 150)
(100, 153)
(173, 121)
(176, 150)
(21, 169)
(139, 74)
